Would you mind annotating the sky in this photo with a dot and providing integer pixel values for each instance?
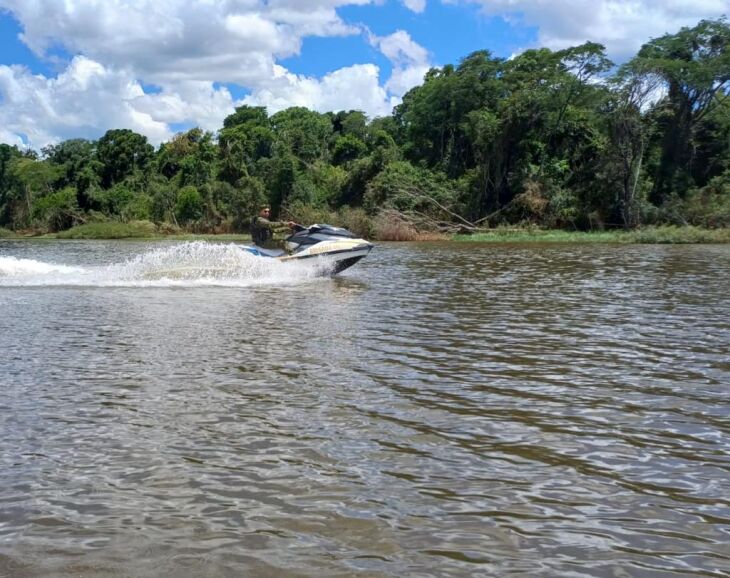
(77, 68)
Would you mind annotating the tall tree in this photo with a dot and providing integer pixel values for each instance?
(304, 132)
(7, 199)
(693, 66)
(122, 153)
(433, 117)
(79, 167)
(245, 138)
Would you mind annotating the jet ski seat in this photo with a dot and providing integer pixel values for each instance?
(260, 251)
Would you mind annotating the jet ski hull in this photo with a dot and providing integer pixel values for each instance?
(334, 258)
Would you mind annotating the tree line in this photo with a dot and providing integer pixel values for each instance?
(558, 139)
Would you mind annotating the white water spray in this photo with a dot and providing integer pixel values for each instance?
(188, 264)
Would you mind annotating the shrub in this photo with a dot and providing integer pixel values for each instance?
(355, 220)
(110, 230)
(241, 202)
(168, 229)
(394, 226)
(403, 187)
(308, 214)
(388, 226)
(348, 148)
(163, 195)
(710, 205)
(329, 181)
(58, 210)
(189, 205)
(303, 190)
(139, 208)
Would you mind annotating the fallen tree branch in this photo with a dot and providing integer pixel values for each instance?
(423, 197)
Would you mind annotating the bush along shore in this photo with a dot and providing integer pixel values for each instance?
(548, 140)
(389, 230)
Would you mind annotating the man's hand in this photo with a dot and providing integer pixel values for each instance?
(291, 224)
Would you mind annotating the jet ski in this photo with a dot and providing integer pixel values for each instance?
(334, 248)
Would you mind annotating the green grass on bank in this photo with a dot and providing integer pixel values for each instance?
(679, 235)
(646, 235)
(229, 237)
(140, 230)
(110, 230)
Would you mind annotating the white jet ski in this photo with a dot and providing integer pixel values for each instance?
(335, 248)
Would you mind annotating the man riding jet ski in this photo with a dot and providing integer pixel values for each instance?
(336, 248)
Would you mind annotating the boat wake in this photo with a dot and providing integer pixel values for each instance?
(188, 264)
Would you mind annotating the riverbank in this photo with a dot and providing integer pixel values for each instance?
(140, 230)
(646, 235)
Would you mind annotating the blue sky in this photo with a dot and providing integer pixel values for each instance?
(76, 68)
(448, 31)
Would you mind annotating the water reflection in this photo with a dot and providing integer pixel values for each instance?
(441, 410)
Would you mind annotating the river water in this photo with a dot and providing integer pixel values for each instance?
(437, 410)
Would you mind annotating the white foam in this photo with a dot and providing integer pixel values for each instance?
(12, 267)
(188, 264)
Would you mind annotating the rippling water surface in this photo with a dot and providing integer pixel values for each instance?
(437, 410)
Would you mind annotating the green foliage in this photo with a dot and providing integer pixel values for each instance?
(35, 177)
(189, 158)
(329, 181)
(189, 205)
(693, 66)
(77, 166)
(57, 211)
(404, 187)
(304, 213)
(237, 204)
(240, 147)
(303, 190)
(121, 153)
(351, 123)
(249, 116)
(303, 132)
(110, 230)
(164, 195)
(8, 185)
(279, 173)
(138, 208)
(28, 180)
(356, 220)
(709, 206)
(348, 148)
(113, 200)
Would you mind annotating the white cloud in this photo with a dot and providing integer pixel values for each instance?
(409, 59)
(417, 6)
(355, 87)
(88, 96)
(233, 41)
(400, 48)
(621, 25)
(189, 50)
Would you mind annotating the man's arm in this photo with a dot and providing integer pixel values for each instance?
(275, 226)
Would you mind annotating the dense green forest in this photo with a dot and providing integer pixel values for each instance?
(556, 139)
